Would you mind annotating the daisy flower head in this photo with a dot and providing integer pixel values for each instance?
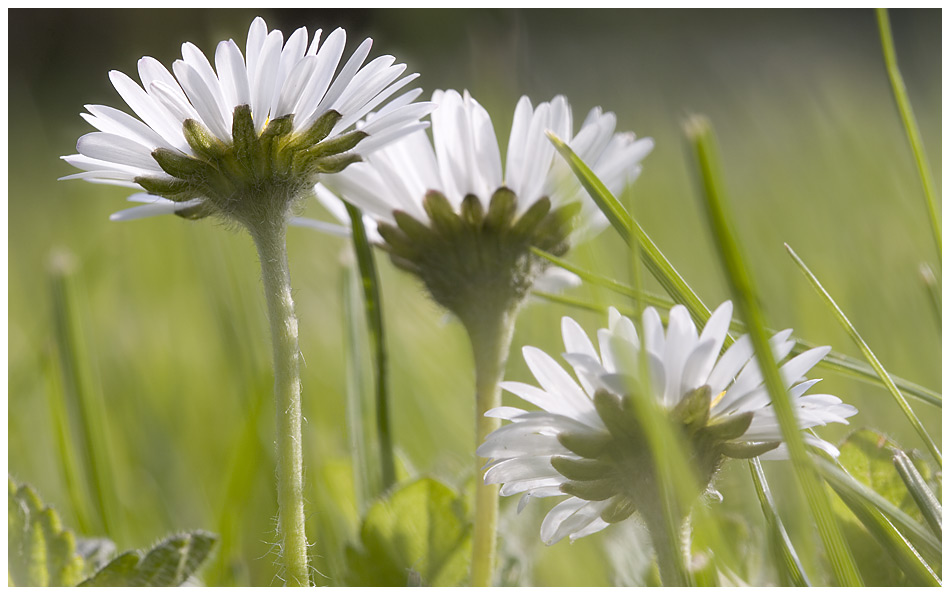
(246, 138)
(586, 443)
(450, 212)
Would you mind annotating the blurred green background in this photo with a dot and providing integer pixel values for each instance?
(175, 351)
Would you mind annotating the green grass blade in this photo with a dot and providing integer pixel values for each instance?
(836, 361)
(922, 538)
(926, 501)
(910, 124)
(901, 551)
(87, 412)
(869, 355)
(787, 559)
(743, 288)
(372, 300)
(59, 414)
(661, 268)
(367, 476)
(932, 286)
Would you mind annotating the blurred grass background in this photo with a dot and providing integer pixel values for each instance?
(174, 323)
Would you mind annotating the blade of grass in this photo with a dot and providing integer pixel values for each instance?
(661, 268)
(59, 414)
(374, 314)
(910, 124)
(83, 397)
(925, 499)
(839, 479)
(787, 559)
(740, 280)
(933, 291)
(836, 361)
(884, 532)
(658, 265)
(869, 355)
(367, 476)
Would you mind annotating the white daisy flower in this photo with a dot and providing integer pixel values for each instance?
(448, 210)
(584, 442)
(212, 140)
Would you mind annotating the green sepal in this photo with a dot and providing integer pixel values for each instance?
(199, 211)
(334, 164)
(318, 131)
(202, 142)
(472, 211)
(595, 490)
(338, 144)
(551, 234)
(173, 189)
(580, 469)
(618, 509)
(531, 218)
(177, 164)
(416, 231)
(278, 127)
(405, 264)
(746, 450)
(585, 444)
(731, 428)
(501, 209)
(440, 212)
(397, 241)
(611, 411)
(247, 149)
(693, 409)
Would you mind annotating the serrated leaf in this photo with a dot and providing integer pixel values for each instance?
(168, 564)
(41, 552)
(419, 534)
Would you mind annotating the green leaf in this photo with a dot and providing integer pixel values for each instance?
(869, 355)
(842, 482)
(168, 564)
(418, 534)
(41, 553)
(867, 456)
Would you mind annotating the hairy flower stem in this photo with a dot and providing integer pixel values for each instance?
(270, 238)
(490, 335)
(672, 549)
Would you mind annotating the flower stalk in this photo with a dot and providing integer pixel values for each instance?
(270, 238)
(490, 336)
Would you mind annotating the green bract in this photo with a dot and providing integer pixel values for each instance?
(478, 259)
(256, 176)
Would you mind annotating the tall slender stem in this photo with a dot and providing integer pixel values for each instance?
(270, 238)
(490, 336)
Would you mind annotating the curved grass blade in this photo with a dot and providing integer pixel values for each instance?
(836, 361)
(910, 124)
(919, 490)
(921, 537)
(743, 288)
(869, 355)
(932, 286)
(788, 563)
(661, 268)
(374, 315)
